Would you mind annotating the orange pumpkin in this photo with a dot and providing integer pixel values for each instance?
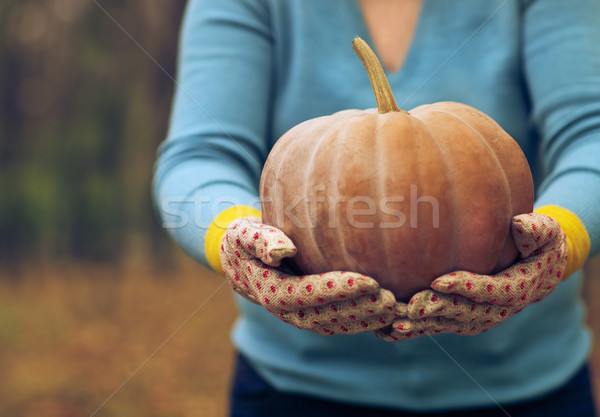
(401, 196)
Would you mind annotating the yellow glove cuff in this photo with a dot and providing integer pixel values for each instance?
(217, 229)
(578, 240)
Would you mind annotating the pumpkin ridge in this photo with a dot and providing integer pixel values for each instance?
(492, 151)
(349, 259)
(503, 255)
(444, 157)
(275, 168)
(494, 157)
(339, 152)
(499, 167)
(500, 149)
(500, 180)
(466, 242)
(335, 163)
(279, 164)
(380, 191)
(319, 244)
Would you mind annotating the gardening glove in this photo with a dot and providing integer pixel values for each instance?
(467, 303)
(330, 303)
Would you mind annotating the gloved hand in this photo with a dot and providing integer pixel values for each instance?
(330, 303)
(467, 303)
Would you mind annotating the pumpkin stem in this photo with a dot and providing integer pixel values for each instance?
(379, 83)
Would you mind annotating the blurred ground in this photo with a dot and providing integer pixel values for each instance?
(71, 335)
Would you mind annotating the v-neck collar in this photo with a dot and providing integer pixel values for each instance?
(418, 39)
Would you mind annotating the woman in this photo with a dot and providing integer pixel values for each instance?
(249, 70)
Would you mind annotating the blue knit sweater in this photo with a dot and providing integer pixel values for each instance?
(251, 69)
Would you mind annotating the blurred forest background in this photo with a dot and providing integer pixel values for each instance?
(83, 110)
(100, 313)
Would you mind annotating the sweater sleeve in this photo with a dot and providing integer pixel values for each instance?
(216, 146)
(561, 56)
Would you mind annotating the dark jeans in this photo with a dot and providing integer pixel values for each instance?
(251, 396)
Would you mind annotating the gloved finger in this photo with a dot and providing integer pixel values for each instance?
(535, 277)
(345, 326)
(247, 295)
(342, 328)
(360, 314)
(429, 304)
(322, 289)
(248, 238)
(385, 333)
(524, 283)
(278, 290)
(533, 232)
(238, 280)
(400, 310)
(505, 288)
(477, 327)
(408, 329)
(398, 331)
(371, 323)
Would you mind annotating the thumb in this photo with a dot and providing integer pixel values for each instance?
(258, 240)
(532, 232)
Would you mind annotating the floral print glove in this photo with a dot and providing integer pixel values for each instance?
(330, 303)
(467, 303)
